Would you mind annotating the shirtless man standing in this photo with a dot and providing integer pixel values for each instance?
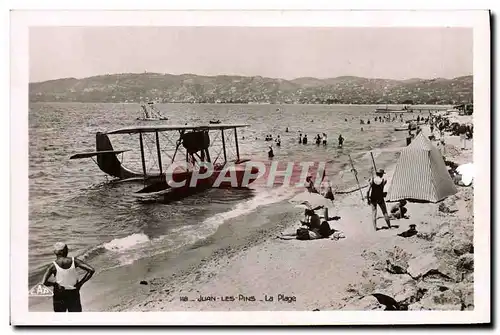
(66, 285)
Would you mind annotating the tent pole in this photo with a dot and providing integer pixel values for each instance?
(374, 166)
(356, 176)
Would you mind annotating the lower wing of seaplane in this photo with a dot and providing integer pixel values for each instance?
(202, 166)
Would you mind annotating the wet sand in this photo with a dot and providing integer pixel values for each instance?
(433, 269)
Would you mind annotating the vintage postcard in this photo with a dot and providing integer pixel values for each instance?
(305, 167)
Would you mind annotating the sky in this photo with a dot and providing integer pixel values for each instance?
(285, 52)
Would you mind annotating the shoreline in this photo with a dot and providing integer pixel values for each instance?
(330, 275)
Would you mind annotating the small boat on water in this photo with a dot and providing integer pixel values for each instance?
(407, 126)
(386, 109)
(150, 113)
(401, 129)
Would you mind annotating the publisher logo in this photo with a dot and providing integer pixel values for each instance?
(41, 290)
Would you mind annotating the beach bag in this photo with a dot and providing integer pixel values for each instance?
(303, 234)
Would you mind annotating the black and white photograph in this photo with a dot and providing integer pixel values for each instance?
(266, 162)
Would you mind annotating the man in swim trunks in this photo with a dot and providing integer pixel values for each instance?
(341, 140)
(67, 285)
(375, 196)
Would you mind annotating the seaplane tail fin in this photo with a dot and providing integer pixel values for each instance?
(108, 162)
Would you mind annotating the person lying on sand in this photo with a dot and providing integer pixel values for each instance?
(301, 234)
(324, 231)
(399, 210)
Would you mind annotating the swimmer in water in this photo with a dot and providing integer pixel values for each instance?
(341, 140)
(270, 153)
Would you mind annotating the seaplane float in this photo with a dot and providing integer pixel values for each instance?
(194, 165)
(150, 113)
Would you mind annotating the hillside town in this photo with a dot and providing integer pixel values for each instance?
(165, 88)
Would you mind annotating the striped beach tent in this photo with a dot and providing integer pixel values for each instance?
(421, 174)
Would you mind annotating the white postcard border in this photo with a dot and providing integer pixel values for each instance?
(20, 23)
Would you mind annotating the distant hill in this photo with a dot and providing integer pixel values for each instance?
(190, 88)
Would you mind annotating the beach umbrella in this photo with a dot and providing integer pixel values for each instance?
(310, 200)
(467, 173)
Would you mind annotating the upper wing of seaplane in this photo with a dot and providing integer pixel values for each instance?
(154, 129)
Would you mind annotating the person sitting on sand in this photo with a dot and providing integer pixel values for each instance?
(304, 140)
(313, 220)
(399, 210)
(375, 196)
(310, 185)
(329, 193)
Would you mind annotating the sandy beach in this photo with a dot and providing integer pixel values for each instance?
(432, 270)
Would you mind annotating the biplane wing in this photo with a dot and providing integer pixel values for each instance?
(95, 153)
(153, 129)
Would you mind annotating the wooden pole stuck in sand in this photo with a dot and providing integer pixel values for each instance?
(356, 176)
(373, 161)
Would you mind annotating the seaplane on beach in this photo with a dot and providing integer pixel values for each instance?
(195, 162)
(150, 113)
